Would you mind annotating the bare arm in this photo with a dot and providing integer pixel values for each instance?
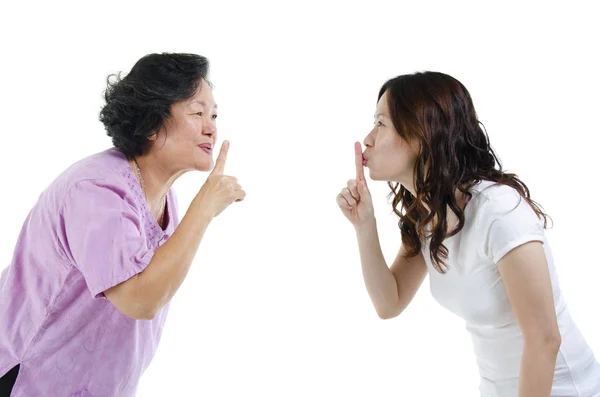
(144, 294)
(525, 274)
(391, 290)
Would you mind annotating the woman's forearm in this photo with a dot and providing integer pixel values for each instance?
(379, 280)
(171, 262)
(537, 369)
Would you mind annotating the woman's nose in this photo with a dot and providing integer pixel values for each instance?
(209, 129)
(368, 139)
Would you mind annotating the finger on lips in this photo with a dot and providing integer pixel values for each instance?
(358, 160)
(221, 159)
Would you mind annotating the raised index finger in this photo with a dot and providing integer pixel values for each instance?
(358, 160)
(220, 162)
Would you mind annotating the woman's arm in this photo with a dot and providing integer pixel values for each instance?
(391, 290)
(143, 295)
(525, 274)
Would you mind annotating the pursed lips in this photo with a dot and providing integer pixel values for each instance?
(207, 147)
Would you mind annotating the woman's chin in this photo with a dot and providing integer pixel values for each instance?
(204, 166)
(374, 176)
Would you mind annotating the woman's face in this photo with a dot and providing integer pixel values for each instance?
(188, 141)
(388, 156)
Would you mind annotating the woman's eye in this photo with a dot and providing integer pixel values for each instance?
(214, 116)
(379, 124)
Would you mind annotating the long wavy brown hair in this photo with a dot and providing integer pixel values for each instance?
(437, 111)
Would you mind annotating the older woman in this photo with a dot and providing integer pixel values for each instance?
(475, 230)
(101, 254)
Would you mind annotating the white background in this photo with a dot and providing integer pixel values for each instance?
(274, 304)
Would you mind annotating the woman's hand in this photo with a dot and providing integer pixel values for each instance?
(355, 199)
(219, 190)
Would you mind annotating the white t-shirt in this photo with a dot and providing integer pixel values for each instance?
(497, 220)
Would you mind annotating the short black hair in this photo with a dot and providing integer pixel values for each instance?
(138, 104)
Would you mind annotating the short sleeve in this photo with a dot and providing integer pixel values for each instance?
(102, 234)
(509, 221)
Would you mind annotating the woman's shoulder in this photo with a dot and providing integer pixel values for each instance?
(105, 164)
(490, 192)
(493, 198)
(106, 169)
(109, 165)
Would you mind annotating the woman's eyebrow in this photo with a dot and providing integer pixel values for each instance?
(200, 102)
